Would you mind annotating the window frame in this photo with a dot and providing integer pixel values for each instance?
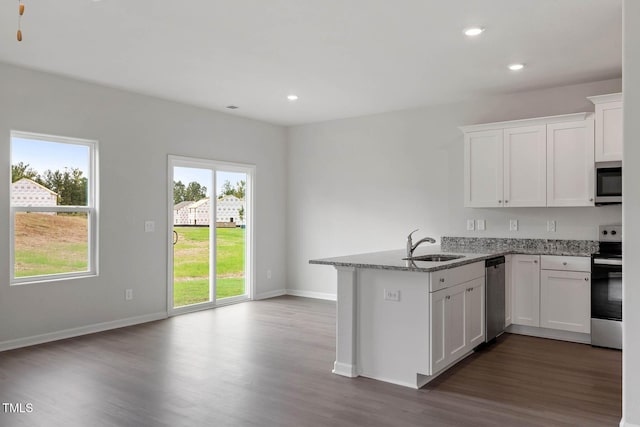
(91, 209)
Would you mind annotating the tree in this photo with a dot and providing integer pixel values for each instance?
(241, 213)
(195, 191)
(70, 185)
(21, 170)
(179, 192)
(237, 191)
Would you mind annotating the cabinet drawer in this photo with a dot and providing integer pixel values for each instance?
(442, 279)
(565, 263)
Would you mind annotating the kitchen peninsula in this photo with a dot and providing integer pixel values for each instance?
(405, 322)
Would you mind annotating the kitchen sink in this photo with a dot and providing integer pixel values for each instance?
(434, 257)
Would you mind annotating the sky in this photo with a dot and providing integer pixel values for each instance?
(43, 155)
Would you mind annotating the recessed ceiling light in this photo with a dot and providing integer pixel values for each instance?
(473, 31)
(292, 97)
(516, 67)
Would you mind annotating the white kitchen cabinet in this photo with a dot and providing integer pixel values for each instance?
(529, 163)
(507, 291)
(457, 322)
(525, 282)
(525, 166)
(608, 127)
(483, 157)
(565, 300)
(570, 163)
(474, 313)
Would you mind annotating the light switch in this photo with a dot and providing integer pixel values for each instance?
(149, 226)
(471, 225)
(480, 224)
(513, 225)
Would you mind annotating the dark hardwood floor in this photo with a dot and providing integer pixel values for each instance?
(268, 363)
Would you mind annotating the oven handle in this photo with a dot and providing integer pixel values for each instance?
(604, 261)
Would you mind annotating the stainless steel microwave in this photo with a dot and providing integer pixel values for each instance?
(608, 183)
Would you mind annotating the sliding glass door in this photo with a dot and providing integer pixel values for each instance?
(210, 248)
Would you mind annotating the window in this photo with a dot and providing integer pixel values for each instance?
(54, 215)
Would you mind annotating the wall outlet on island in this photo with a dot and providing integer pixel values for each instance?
(391, 295)
(551, 226)
(513, 225)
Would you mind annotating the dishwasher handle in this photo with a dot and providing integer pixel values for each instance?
(494, 262)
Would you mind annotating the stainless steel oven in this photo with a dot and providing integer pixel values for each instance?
(608, 183)
(606, 289)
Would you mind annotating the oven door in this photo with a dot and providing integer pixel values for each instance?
(606, 288)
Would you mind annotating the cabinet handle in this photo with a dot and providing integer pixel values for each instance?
(442, 280)
(586, 279)
(591, 200)
(564, 263)
(499, 201)
(506, 201)
(535, 261)
(448, 297)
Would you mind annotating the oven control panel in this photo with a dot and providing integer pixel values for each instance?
(610, 233)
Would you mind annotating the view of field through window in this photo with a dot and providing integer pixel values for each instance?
(193, 248)
(47, 175)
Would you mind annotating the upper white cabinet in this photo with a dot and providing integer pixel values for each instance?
(508, 163)
(570, 164)
(608, 131)
(484, 174)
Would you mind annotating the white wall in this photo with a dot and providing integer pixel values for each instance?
(631, 298)
(360, 185)
(135, 133)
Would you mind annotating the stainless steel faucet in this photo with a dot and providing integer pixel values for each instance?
(412, 247)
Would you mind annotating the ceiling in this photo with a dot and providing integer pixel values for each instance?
(343, 58)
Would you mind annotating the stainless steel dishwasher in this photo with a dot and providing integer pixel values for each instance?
(494, 298)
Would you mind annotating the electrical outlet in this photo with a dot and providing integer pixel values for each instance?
(149, 226)
(391, 295)
(471, 225)
(551, 226)
(513, 225)
(481, 224)
(128, 294)
(268, 274)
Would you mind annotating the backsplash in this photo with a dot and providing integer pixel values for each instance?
(524, 246)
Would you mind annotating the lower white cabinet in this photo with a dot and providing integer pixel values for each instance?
(457, 322)
(507, 291)
(525, 286)
(565, 300)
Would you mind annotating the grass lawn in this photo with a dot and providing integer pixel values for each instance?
(191, 264)
(50, 244)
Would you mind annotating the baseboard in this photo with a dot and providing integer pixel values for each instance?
(345, 370)
(310, 294)
(270, 294)
(550, 333)
(83, 330)
(623, 423)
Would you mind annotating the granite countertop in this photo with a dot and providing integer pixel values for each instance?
(472, 250)
(392, 260)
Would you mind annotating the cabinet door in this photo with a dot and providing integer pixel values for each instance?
(525, 282)
(525, 166)
(483, 169)
(570, 164)
(565, 300)
(455, 322)
(474, 316)
(437, 335)
(507, 291)
(609, 131)
(448, 339)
